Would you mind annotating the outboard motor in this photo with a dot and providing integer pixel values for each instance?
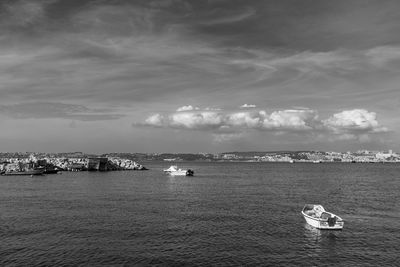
(332, 221)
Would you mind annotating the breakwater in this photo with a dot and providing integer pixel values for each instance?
(54, 164)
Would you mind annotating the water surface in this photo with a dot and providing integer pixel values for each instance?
(228, 214)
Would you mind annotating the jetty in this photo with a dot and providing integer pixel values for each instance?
(56, 164)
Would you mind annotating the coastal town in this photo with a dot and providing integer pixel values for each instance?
(362, 156)
(78, 161)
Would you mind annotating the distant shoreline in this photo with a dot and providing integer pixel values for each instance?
(362, 156)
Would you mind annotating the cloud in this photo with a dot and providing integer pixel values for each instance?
(226, 137)
(248, 106)
(382, 55)
(156, 120)
(306, 61)
(291, 120)
(116, 20)
(336, 62)
(148, 51)
(135, 55)
(353, 121)
(212, 109)
(200, 120)
(45, 110)
(229, 17)
(23, 12)
(135, 50)
(354, 124)
(243, 120)
(187, 108)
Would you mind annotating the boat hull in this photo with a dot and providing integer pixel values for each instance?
(22, 173)
(181, 173)
(174, 171)
(323, 224)
(316, 216)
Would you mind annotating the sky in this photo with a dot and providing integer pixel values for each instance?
(199, 76)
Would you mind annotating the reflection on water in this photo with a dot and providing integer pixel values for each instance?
(312, 234)
(312, 239)
(320, 241)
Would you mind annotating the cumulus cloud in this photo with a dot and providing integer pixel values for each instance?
(213, 120)
(347, 125)
(248, 106)
(200, 120)
(155, 120)
(243, 119)
(291, 120)
(187, 108)
(356, 120)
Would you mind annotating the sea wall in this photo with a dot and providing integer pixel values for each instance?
(73, 164)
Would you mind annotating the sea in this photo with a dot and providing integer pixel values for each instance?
(227, 214)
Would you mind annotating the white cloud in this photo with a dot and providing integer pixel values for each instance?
(291, 120)
(187, 108)
(212, 120)
(356, 124)
(248, 106)
(356, 120)
(244, 119)
(155, 120)
(200, 120)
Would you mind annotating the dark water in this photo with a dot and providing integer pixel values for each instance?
(228, 214)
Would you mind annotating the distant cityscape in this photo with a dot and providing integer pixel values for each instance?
(363, 156)
(76, 161)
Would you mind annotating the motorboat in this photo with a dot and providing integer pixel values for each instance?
(316, 216)
(30, 172)
(49, 169)
(174, 170)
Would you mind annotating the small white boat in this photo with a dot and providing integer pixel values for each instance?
(316, 216)
(173, 170)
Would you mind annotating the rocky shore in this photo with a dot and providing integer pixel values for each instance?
(55, 164)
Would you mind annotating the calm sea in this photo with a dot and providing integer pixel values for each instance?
(228, 214)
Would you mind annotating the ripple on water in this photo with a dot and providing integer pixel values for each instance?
(229, 214)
